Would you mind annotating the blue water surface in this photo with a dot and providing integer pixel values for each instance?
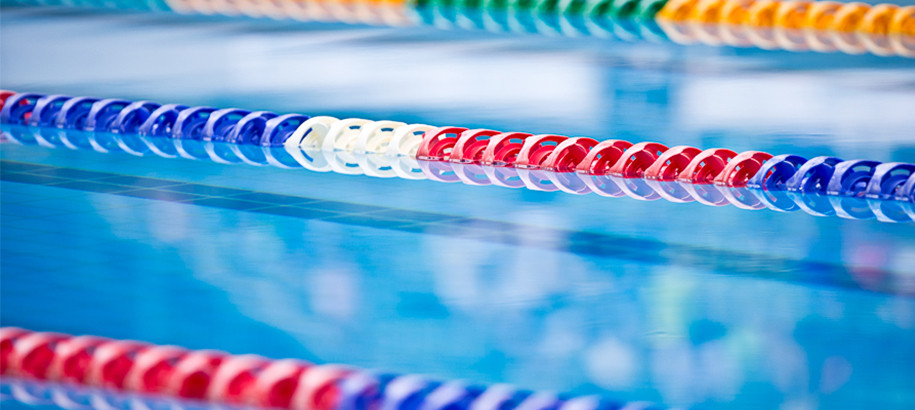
(682, 304)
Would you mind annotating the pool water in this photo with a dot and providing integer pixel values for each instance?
(681, 304)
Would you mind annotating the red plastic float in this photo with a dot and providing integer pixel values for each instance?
(318, 388)
(503, 149)
(235, 377)
(568, 154)
(111, 362)
(277, 383)
(706, 166)
(4, 95)
(741, 168)
(73, 358)
(637, 159)
(8, 337)
(470, 146)
(193, 373)
(33, 353)
(536, 149)
(602, 157)
(671, 163)
(153, 368)
(438, 143)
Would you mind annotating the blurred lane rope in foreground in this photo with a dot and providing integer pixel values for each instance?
(250, 380)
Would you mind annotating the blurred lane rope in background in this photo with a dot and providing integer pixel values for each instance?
(822, 26)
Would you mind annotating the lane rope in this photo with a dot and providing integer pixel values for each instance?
(858, 189)
(794, 25)
(251, 380)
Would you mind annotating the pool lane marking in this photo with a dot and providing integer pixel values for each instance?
(507, 233)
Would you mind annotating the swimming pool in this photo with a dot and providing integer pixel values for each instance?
(680, 304)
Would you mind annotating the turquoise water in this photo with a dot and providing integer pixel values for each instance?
(682, 304)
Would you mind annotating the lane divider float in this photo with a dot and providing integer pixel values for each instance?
(251, 380)
(859, 189)
(794, 25)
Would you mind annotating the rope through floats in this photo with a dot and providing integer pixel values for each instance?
(859, 189)
(251, 380)
(822, 26)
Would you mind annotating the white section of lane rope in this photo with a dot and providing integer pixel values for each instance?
(355, 146)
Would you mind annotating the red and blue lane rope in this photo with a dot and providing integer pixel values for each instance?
(251, 380)
(645, 170)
